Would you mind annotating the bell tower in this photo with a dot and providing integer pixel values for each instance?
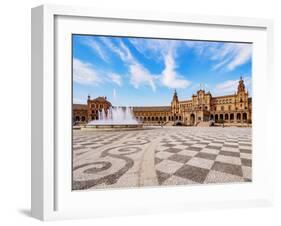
(241, 96)
(175, 103)
(241, 86)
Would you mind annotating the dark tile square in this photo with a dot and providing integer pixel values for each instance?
(203, 142)
(230, 146)
(245, 151)
(246, 162)
(179, 158)
(157, 160)
(169, 145)
(193, 148)
(229, 153)
(186, 144)
(213, 147)
(162, 176)
(192, 173)
(173, 150)
(206, 156)
(228, 168)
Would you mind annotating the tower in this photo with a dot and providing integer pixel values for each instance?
(175, 103)
(241, 96)
(175, 97)
(241, 86)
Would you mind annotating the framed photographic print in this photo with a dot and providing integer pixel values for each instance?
(138, 113)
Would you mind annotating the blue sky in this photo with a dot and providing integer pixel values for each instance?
(145, 72)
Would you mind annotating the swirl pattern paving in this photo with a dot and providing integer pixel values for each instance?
(161, 156)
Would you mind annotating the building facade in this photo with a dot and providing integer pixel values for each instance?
(201, 108)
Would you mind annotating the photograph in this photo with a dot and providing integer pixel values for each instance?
(154, 112)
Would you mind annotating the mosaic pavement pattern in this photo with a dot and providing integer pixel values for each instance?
(161, 156)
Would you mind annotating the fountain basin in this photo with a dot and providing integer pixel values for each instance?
(114, 118)
(110, 127)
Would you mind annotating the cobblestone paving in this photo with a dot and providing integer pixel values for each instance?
(161, 156)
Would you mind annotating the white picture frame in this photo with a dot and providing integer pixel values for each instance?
(51, 197)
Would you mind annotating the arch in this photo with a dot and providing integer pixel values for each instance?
(178, 123)
(180, 118)
(244, 116)
(238, 116)
(77, 118)
(192, 119)
(216, 117)
(231, 116)
(83, 119)
(212, 117)
(221, 116)
(152, 118)
(226, 116)
(164, 118)
(160, 118)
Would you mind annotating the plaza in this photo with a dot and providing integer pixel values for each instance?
(161, 156)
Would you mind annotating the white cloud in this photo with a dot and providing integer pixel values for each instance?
(97, 48)
(227, 87)
(115, 78)
(152, 48)
(244, 54)
(227, 56)
(231, 55)
(84, 73)
(164, 50)
(230, 86)
(169, 77)
(114, 48)
(140, 75)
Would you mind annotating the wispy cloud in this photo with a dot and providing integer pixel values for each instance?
(115, 48)
(152, 48)
(96, 47)
(225, 56)
(84, 73)
(115, 78)
(230, 86)
(139, 75)
(170, 78)
(166, 51)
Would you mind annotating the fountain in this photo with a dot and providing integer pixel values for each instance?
(114, 118)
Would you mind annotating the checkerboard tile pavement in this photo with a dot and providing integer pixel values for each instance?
(204, 158)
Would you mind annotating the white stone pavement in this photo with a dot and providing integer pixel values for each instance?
(161, 156)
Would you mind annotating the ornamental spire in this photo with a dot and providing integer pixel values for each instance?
(241, 86)
(175, 97)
